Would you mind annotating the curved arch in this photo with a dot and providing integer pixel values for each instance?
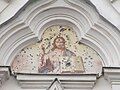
(86, 11)
(41, 17)
(38, 18)
(9, 32)
(96, 46)
(59, 21)
(17, 48)
(13, 43)
(110, 41)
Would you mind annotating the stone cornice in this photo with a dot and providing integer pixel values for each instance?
(112, 74)
(78, 81)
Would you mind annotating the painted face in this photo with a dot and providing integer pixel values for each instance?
(60, 44)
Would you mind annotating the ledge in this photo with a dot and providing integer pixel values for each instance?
(67, 81)
(112, 74)
(4, 74)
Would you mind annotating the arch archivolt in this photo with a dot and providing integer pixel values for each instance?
(82, 18)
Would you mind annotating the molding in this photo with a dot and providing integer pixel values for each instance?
(7, 1)
(15, 39)
(4, 74)
(112, 75)
(107, 39)
(3, 5)
(71, 82)
(11, 10)
(112, 1)
(105, 8)
(84, 19)
(116, 5)
(56, 85)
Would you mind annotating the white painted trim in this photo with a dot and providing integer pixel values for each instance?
(4, 74)
(106, 10)
(112, 74)
(90, 28)
(42, 82)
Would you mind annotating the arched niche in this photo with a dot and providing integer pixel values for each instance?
(58, 52)
(31, 23)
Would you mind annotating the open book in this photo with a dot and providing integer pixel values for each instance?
(73, 64)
